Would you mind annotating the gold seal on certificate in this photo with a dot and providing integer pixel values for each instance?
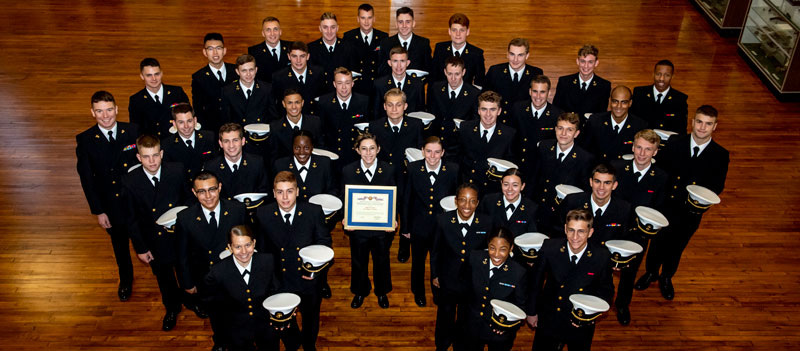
(370, 207)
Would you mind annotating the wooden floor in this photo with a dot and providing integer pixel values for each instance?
(738, 287)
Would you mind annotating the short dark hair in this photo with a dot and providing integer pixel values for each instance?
(148, 61)
(204, 175)
(707, 110)
(605, 168)
(303, 133)
(490, 96)
(231, 127)
(298, 45)
(243, 59)
(454, 61)
(241, 230)
(580, 214)
(458, 18)
(327, 15)
(514, 172)
(213, 36)
(292, 91)
(541, 78)
(571, 118)
(502, 233)
(270, 19)
(433, 140)
(364, 136)
(181, 107)
(366, 7)
(465, 186)
(103, 95)
(587, 50)
(520, 42)
(665, 63)
(405, 10)
(147, 140)
(398, 50)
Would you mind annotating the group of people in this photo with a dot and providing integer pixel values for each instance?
(352, 96)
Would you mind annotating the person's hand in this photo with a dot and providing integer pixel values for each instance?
(498, 331)
(103, 221)
(406, 235)
(307, 278)
(435, 282)
(193, 290)
(145, 257)
(533, 321)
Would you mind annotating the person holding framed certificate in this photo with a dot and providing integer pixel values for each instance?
(369, 171)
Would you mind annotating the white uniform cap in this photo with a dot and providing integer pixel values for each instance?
(416, 72)
(448, 203)
(500, 165)
(169, 218)
(426, 117)
(664, 134)
(134, 167)
(413, 154)
(652, 217)
(507, 310)
(260, 129)
(361, 126)
(529, 241)
(173, 130)
(625, 248)
(355, 74)
(588, 303)
(329, 203)
(458, 121)
(321, 152)
(562, 190)
(627, 157)
(316, 255)
(702, 195)
(280, 305)
(252, 196)
(224, 254)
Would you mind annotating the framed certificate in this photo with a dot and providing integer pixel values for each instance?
(370, 207)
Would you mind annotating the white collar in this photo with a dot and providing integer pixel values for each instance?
(511, 71)
(410, 36)
(693, 143)
(588, 82)
(245, 88)
(663, 93)
(298, 165)
(540, 111)
(402, 82)
(248, 267)
(614, 122)
(329, 46)
(192, 138)
(300, 74)
(215, 70)
(579, 254)
(637, 169)
(595, 206)
(290, 212)
(160, 93)
(398, 125)
(515, 203)
(491, 130)
(436, 170)
(299, 122)
(113, 131)
(457, 89)
(150, 176)
(371, 169)
(344, 101)
(468, 221)
(237, 163)
(459, 51)
(277, 47)
(366, 36)
(207, 213)
(566, 152)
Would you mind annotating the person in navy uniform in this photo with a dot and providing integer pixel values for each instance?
(484, 138)
(412, 86)
(207, 82)
(458, 234)
(104, 152)
(340, 111)
(306, 78)
(418, 47)
(642, 183)
(567, 265)
(312, 172)
(583, 92)
(534, 120)
(242, 172)
(661, 105)
(429, 180)
(239, 284)
(369, 171)
(287, 226)
(509, 208)
(688, 159)
(148, 193)
(149, 108)
(202, 234)
(366, 40)
(448, 99)
(458, 28)
(511, 79)
(188, 146)
(247, 100)
(330, 51)
(559, 161)
(282, 130)
(494, 276)
(609, 135)
(273, 53)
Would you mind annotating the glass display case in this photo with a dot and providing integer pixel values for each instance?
(726, 15)
(769, 41)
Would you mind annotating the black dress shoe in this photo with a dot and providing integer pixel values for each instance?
(124, 293)
(623, 315)
(357, 301)
(645, 280)
(198, 311)
(667, 291)
(326, 291)
(420, 300)
(402, 256)
(170, 319)
(383, 301)
(218, 348)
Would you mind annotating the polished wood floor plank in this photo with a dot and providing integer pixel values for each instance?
(738, 287)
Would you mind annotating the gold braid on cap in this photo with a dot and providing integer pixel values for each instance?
(502, 321)
(646, 228)
(254, 137)
(280, 317)
(308, 267)
(580, 315)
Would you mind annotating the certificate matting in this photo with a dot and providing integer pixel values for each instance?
(370, 207)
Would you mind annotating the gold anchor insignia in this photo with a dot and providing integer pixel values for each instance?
(313, 165)
(284, 124)
(499, 203)
(333, 101)
(527, 73)
(358, 170)
(291, 166)
(574, 81)
(97, 136)
(547, 113)
(380, 170)
(290, 74)
(589, 253)
(444, 169)
(276, 213)
(300, 213)
(265, 50)
(499, 132)
(475, 129)
(505, 268)
(386, 124)
(237, 88)
(652, 173)
(485, 261)
(221, 166)
(244, 162)
(176, 140)
(605, 123)
(522, 208)
(552, 148)
(586, 205)
(200, 136)
(627, 168)
(669, 97)
(225, 213)
(528, 109)
(207, 74)
(122, 131)
(648, 95)
(466, 51)
(505, 70)
(562, 248)
(422, 168)
(629, 126)
(594, 83)
(169, 92)
(465, 93)
(198, 218)
(405, 124)
(575, 155)
(453, 220)
(442, 89)
(257, 86)
(145, 96)
(476, 221)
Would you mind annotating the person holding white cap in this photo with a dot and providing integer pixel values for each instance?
(693, 159)
(240, 283)
(567, 266)
(313, 172)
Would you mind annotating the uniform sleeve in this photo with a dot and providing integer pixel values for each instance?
(85, 173)
(182, 253)
(480, 70)
(536, 284)
(436, 250)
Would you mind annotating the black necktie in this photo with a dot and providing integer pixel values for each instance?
(493, 271)
(275, 53)
(405, 45)
(535, 114)
(245, 273)
(458, 54)
(213, 220)
(637, 175)
(249, 92)
(300, 78)
(158, 100)
(235, 168)
(560, 156)
(221, 80)
(155, 182)
(658, 98)
(574, 260)
(366, 40)
(330, 49)
(616, 129)
(432, 174)
(696, 151)
(368, 172)
(516, 77)
(485, 136)
(302, 169)
(583, 86)
(111, 137)
(344, 106)
(598, 213)
(396, 129)
(510, 207)
(189, 143)
(296, 128)
(464, 229)
(400, 85)
(287, 216)
(452, 95)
